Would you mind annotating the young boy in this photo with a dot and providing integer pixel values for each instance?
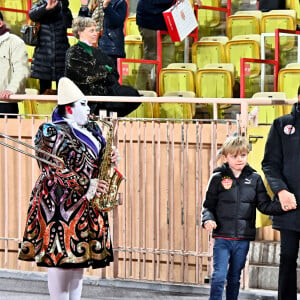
(234, 192)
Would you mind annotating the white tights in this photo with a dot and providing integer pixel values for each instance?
(65, 284)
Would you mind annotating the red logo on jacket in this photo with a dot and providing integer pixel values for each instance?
(226, 182)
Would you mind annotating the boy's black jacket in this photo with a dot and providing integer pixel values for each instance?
(231, 202)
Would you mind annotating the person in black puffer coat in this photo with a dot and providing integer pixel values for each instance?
(48, 62)
(234, 192)
(281, 166)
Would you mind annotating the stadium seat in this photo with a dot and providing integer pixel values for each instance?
(175, 110)
(145, 110)
(177, 77)
(187, 66)
(244, 46)
(266, 114)
(28, 107)
(284, 19)
(72, 40)
(295, 5)
(288, 82)
(131, 27)
(209, 18)
(31, 83)
(214, 81)
(293, 66)
(243, 22)
(133, 50)
(209, 50)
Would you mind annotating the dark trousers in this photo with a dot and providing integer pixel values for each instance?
(287, 281)
(267, 5)
(9, 108)
(46, 85)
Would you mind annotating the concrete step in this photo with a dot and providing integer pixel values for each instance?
(264, 257)
(33, 285)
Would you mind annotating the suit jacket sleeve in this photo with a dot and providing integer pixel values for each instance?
(264, 202)
(273, 159)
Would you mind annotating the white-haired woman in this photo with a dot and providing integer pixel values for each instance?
(94, 72)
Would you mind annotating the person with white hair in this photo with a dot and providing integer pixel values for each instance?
(64, 231)
(14, 68)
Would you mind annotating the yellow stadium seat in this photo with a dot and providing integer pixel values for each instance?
(215, 81)
(288, 82)
(177, 77)
(244, 46)
(284, 19)
(15, 19)
(266, 114)
(209, 50)
(293, 66)
(31, 83)
(131, 27)
(72, 40)
(246, 22)
(209, 18)
(175, 110)
(187, 66)
(133, 50)
(145, 110)
(295, 5)
(28, 107)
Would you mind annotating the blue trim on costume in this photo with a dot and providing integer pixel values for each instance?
(56, 119)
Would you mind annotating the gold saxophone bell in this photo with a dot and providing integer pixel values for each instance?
(59, 162)
(112, 176)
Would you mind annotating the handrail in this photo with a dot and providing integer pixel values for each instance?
(244, 103)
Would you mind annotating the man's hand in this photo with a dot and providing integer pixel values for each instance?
(106, 3)
(199, 3)
(287, 200)
(51, 4)
(5, 94)
(210, 225)
(84, 2)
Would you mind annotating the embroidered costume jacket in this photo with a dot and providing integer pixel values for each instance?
(231, 202)
(62, 228)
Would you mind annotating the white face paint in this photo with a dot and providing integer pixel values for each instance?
(80, 112)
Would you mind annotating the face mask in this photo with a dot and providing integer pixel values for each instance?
(80, 112)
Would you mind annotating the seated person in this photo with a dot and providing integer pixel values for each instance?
(14, 68)
(94, 72)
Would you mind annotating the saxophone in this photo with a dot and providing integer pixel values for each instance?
(107, 172)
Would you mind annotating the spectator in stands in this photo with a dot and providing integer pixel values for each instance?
(234, 192)
(48, 62)
(64, 231)
(111, 41)
(281, 165)
(149, 18)
(94, 72)
(14, 67)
